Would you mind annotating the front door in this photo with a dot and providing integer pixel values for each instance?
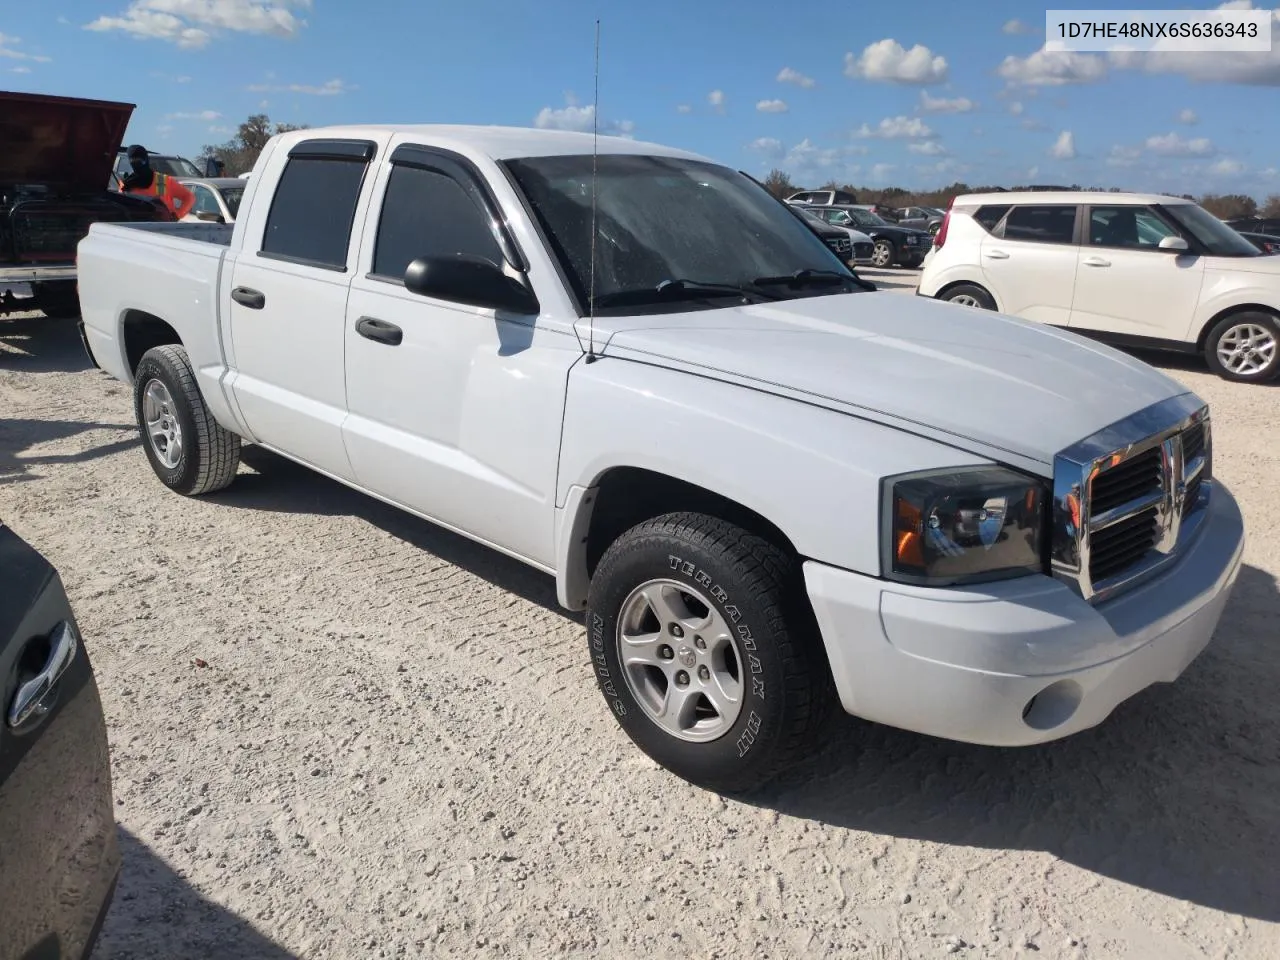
(289, 301)
(1029, 262)
(1126, 284)
(454, 411)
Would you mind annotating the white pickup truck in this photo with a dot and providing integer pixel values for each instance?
(769, 489)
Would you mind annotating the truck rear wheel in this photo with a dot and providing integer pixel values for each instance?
(190, 452)
(706, 652)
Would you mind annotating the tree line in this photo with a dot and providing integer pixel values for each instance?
(240, 153)
(1226, 206)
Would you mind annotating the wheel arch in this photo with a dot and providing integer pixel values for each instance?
(141, 331)
(1202, 338)
(952, 284)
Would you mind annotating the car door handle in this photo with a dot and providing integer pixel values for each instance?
(372, 328)
(1096, 262)
(253, 299)
(997, 255)
(32, 698)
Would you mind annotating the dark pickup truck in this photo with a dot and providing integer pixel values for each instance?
(56, 159)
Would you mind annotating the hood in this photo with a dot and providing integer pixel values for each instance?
(60, 140)
(990, 384)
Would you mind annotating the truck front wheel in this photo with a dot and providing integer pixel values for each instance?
(190, 452)
(706, 652)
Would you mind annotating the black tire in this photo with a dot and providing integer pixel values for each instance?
(885, 252)
(972, 291)
(1263, 323)
(209, 454)
(754, 587)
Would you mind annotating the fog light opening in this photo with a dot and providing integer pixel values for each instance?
(1053, 706)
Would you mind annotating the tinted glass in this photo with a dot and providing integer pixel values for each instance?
(989, 216)
(1127, 226)
(427, 214)
(312, 211)
(231, 197)
(1219, 239)
(205, 201)
(1042, 224)
(666, 218)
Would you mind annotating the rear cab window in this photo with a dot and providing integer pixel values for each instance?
(313, 209)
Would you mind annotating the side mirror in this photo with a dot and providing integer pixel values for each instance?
(471, 280)
(210, 217)
(1176, 244)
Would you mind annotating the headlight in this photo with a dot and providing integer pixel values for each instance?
(963, 525)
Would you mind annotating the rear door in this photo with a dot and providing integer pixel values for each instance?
(1029, 262)
(59, 856)
(289, 300)
(1127, 285)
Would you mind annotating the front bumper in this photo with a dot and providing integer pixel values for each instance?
(1024, 661)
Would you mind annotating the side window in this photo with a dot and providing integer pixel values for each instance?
(205, 200)
(429, 214)
(990, 215)
(313, 210)
(1136, 227)
(1045, 224)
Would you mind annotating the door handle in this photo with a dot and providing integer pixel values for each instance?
(372, 328)
(32, 698)
(253, 299)
(1096, 262)
(997, 255)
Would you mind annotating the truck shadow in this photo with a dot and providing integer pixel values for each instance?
(33, 343)
(156, 913)
(18, 435)
(280, 485)
(1177, 792)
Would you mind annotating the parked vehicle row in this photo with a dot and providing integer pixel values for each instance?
(1134, 269)
(892, 245)
(770, 491)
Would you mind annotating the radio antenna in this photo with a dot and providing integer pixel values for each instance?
(595, 138)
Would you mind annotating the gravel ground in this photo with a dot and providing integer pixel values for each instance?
(338, 731)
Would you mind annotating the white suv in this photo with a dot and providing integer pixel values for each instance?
(1132, 269)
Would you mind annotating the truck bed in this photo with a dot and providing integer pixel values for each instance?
(219, 233)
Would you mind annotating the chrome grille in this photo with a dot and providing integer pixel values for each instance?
(1129, 498)
(841, 245)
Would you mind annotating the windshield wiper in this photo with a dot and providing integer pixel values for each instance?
(677, 289)
(803, 278)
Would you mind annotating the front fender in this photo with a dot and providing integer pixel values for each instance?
(1225, 293)
(812, 472)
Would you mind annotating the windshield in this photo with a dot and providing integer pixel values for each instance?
(175, 166)
(1219, 239)
(231, 196)
(865, 218)
(662, 219)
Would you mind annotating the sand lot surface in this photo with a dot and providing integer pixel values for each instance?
(396, 748)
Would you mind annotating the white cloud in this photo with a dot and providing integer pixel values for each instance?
(1017, 27)
(1033, 173)
(181, 79)
(19, 69)
(898, 128)
(263, 104)
(929, 148)
(1173, 145)
(787, 75)
(1226, 167)
(1122, 156)
(580, 119)
(191, 24)
(684, 108)
(205, 115)
(1047, 69)
(1016, 108)
(890, 62)
(716, 99)
(1188, 117)
(222, 130)
(8, 51)
(943, 105)
(164, 130)
(769, 146)
(772, 106)
(1252, 69)
(881, 170)
(1270, 172)
(1064, 148)
(330, 88)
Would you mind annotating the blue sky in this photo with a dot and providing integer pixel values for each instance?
(873, 93)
